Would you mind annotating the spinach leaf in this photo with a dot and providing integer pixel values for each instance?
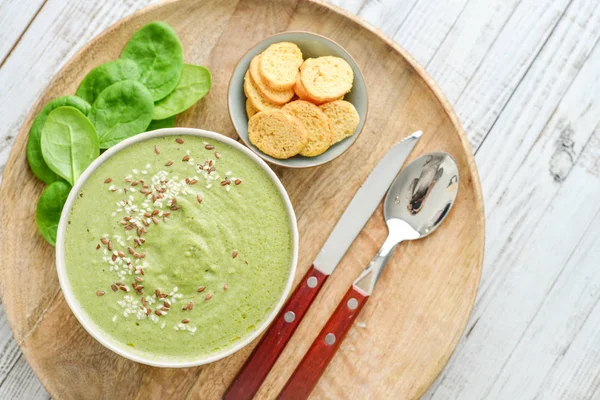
(34, 147)
(194, 83)
(49, 207)
(161, 123)
(122, 110)
(157, 51)
(105, 75)
(69, 143)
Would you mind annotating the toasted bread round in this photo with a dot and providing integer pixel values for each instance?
(279, 65)
(326, 78)
(250, 110)
(277, 134)
(271, 95)
(303, 94)
(343, 117)
(316, 124)
(258, 102)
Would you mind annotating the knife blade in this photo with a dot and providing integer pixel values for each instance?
(248, 380)
(363, 204)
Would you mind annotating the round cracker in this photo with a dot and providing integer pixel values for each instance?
(268, 93)
(326, 78)
(316, 124)
(277, 134)
(279, 65)
(258, 102)
(343, 117)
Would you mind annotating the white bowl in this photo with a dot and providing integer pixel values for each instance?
(107, 340)
(312, 45)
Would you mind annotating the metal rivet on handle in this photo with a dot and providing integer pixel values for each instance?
(352, 303)
(312, 282)
(289, 316)
(329, 339)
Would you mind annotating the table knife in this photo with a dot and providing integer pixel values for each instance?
(359, 211)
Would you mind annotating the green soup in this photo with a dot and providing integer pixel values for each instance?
(178, 248)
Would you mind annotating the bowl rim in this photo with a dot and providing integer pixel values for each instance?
(105, 339)
(282, 163)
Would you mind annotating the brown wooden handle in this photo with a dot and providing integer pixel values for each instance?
(315, 361)
(257, 367)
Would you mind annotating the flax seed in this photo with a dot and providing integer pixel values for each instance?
(169, 163)
(156, 150)
(114, 257)
(100, 293)
(110, 246)
(208, 297)
(184, 308)
(193, 182)
(209, 147)
(218, 155)
(234, 254)
(155, 220)
(190, 306)
(199, 198)
(114, 287)
(104, 240)
(237, 181)
(108, 180)
(185, 321)
(98, 246)
(139, 279)
(166, 309)
(179, 140)
(185, 158)
(225, 287)
(201, 289)
(148, 311)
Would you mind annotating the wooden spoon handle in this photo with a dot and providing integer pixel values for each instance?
(315, 361)
(257, 367)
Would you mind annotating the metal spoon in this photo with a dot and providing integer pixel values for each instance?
(416, 204)
(418, 201)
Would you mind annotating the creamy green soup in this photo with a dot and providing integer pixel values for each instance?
(178, 247)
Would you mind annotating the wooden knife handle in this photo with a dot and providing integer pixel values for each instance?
(257, 367)
(315, 361)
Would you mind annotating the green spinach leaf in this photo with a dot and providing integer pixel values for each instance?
(34, 147)
(161, 123)
(105, 75)
(49, 208)
(122, 110)
(156, 49)
(69, 143)
(194, 83)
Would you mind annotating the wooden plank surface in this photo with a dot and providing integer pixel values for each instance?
(523, 78)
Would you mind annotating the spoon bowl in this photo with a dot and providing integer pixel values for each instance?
(423, 193)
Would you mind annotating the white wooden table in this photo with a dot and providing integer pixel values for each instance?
(524, 79)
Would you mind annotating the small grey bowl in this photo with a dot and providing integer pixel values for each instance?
(312, 45)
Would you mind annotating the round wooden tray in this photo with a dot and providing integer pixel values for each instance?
(406, 333)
